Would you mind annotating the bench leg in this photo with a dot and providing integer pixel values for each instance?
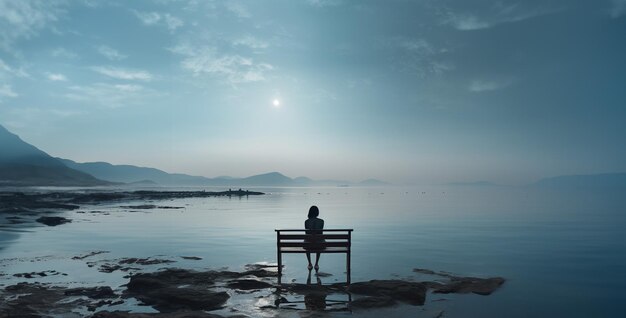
(280, 265)
(348, 267)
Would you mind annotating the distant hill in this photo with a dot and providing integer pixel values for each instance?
(22, 164)
(475, 183)
(605, 180)
(134, 174)
(142, 175)
(266, 179)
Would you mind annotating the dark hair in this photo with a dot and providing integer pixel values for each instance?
(313, 212)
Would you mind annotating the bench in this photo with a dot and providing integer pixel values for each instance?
(295, 241)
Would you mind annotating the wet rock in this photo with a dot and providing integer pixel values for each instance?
(315, 301)
(139, 207)
(373, 302)
(145, 261)
(53, 220)
(92, 292)
(35, 300)
(323, 274)
(248, 284)
(124, 264)
(93, 307)
(97, 197)
(193, 258)
(20, 202)
(184, 314)
(150, 207)
(37, 274)
(177, 289)
(171, 299)
(428, 272)
(110, 268)
(464, 285)
(89, 254)
(409, 292)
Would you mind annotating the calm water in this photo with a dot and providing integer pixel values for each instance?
(563, 253)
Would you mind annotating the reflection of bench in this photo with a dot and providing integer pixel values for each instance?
(298, 241)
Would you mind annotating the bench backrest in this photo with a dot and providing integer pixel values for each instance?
(300, 238)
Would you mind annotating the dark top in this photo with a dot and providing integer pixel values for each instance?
(311, 225)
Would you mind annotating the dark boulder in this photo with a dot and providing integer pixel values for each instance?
(248, 284)
(409, 292)
(53, 220)
(92, 292)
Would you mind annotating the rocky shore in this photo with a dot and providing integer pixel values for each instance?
(176, 292)
(23, 207)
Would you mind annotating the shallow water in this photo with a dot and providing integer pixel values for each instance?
(563, 252)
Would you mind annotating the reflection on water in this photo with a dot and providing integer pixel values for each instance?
(313, 299)
(555, 249)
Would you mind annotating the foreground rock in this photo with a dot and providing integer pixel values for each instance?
(408, 292)
(184, 314)
(173, 290)
(53, 220)
(464, 285)
(178, 293)
(37, 300)
(461, 284)
(170, 299)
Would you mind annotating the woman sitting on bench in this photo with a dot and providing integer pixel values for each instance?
(312, 224)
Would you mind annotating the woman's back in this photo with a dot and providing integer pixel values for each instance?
(314, 224)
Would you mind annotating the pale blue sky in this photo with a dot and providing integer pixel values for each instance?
(405, 91)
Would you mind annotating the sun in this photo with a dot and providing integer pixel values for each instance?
(276, 102)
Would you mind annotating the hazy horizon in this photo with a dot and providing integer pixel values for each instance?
(424, 92)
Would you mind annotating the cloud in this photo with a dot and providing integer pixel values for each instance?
(496, 14)
(234, 68)
(239, 9)
(173, 22)
(148, 18)
(467, 22)
(251, 42)
(154, 18)
(325, 3)
(56, 77)
(111, 53)
(110, 95)
(64, 53)
(24, 19)
(121, 73)
(5, 70)
(7, 91)
(479, 86)
(618, 8)
(420, 57)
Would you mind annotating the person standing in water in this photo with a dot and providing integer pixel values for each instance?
(313, 225)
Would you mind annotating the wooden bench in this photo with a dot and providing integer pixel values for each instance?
(298, 241)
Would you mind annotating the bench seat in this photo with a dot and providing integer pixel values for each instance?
(304, 250)
(297, 241)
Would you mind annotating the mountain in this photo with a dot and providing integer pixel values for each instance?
(604, 180)
(22, 164)
(142, 175)
(266, 179)
(474, 183)
(133, 174)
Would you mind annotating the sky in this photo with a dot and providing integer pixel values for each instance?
(426, 91)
